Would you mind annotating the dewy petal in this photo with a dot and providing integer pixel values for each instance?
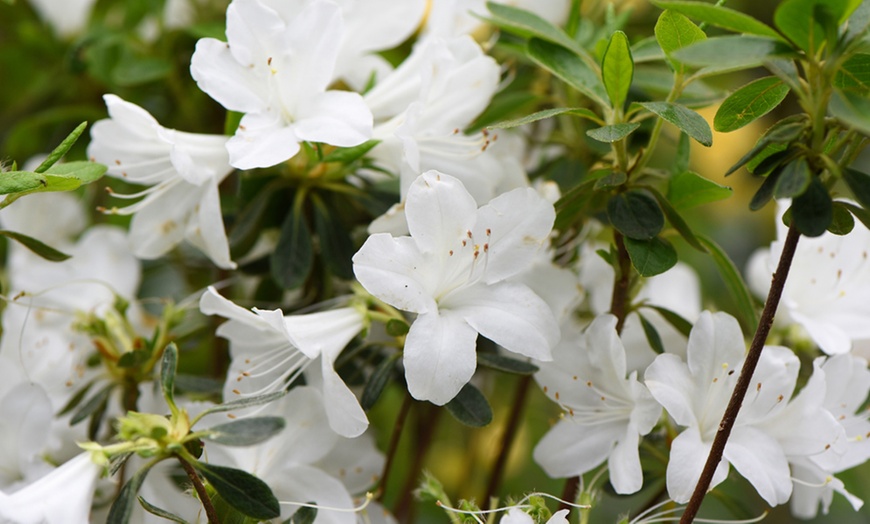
(571, 448)
(687, 459)
(761, 461)
(390, 269)
(230, 83)
(517, 223)
(439, 356)
(510, 315)
(339, 118)
(440, 213)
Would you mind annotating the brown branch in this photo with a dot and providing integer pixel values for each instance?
(394, 445)
(200, 491)
(507, 439)
(776, 287)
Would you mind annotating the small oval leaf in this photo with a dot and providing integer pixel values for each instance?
(470, 407)
(749, 103)
(687, 120)
(241, 490)
(651, 257)
(636, 215)
(246, 431)
(813, 211)
(506, 364)
(612, 133)
(617, 69)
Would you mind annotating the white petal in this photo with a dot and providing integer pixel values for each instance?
(570, 448)
(346, 416)
(440, 356)
(206, 228)
(715, 340)
(262, 140)
(516, 516)
(220, 76)
(306, 484)
(668, 379)
(688, 456)
(626, 475)
(510, 315)
(390, 269)
(440, 213)
(760, 460)
(339, 118)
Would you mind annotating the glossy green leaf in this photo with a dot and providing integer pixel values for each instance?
(582, 112)
(687, 190)
(528, 24)
(506, 364)
(378, 381)
(168, 368)
(125, 502)
(719, 16)
(246, 431)
(569, 67)
(730, 52)
(635, 214)
(612, 133)
(854, 74)
(734, 283)
(813, 211)
(470, 407)
(347, 155)
(794, 180)
(651, 257)
(292, 260)
(41, 249)
(62, 149)
(652, 335)
(617, 69)
(674, 319)
(807, 23)
(241, 490)
(673, 32)
(749, 103)
(677, 221)
(842, 222)
(684, 118)
(859, 183)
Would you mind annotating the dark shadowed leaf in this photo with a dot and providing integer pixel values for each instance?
(470, 407)
(651, 257)
(859, 183)
(43, 250)
(293, 256)
(652, 335)
(506, 364)
(125, 502)
(378, 381)
(813, 211)
(635, 214)
(241, 490)
(794, 179)
(162, 513)
(842, 222)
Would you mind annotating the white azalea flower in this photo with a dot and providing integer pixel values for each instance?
(826, 288)
(696, 393)
(270, 350)
(292, 462)
(518, 516)
(184, 170)
(452, 271)
(61, 497)
(606, 412)
(276, 70)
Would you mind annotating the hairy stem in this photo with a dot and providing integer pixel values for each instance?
(394, 445)
(507, 439)
(776, 287)
(200, 491)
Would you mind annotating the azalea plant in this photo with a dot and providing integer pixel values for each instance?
(338, 261)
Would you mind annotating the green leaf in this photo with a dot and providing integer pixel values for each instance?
(774, 139)
(62, 149)
(378, 381)
(138, 70)
(794, 179)
(731, 52)
(687, 190)
(765, 192)
(617, 69)
(76, 399)
(614, 179)
(470, 407)
(122, 507)
(83, 171)
(247, 226)
(246, 431)
(547, 113)
(304, 515)
(678, 322)
(92, 405)
(842, 222)
(652, 335)
(293, 257)
(673, 32)
(569, 67)
(46, 252)
(851, 109)
(813, 211)
(336, 246)
(854, 74)
(20, 181)
(749, 103)
(397, 328)
(347, 155)
(506, 364)
(734, 283)
(859, 183)
(162, 513)
(635, 214)
(168, 368)
(676, 220)
(651, 257)
(807, 23)
(647, 50)
(687, 120)
(681, 158)
(241, 490)
(613, 132)
(716, 15)
(243, 403)
(528, 24)
(860, 213)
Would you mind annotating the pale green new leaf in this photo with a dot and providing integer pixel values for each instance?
(674, 32)
(687, 120)
(617, 69)
(719, 16)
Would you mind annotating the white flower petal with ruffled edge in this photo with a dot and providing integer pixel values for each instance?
(571, 448)
(219, 75)
(393, 269)
(440, 214)
(760, 459)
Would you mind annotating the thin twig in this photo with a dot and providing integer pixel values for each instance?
(394, 445)
(507, 439)
(200, 491)
(718, 448)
